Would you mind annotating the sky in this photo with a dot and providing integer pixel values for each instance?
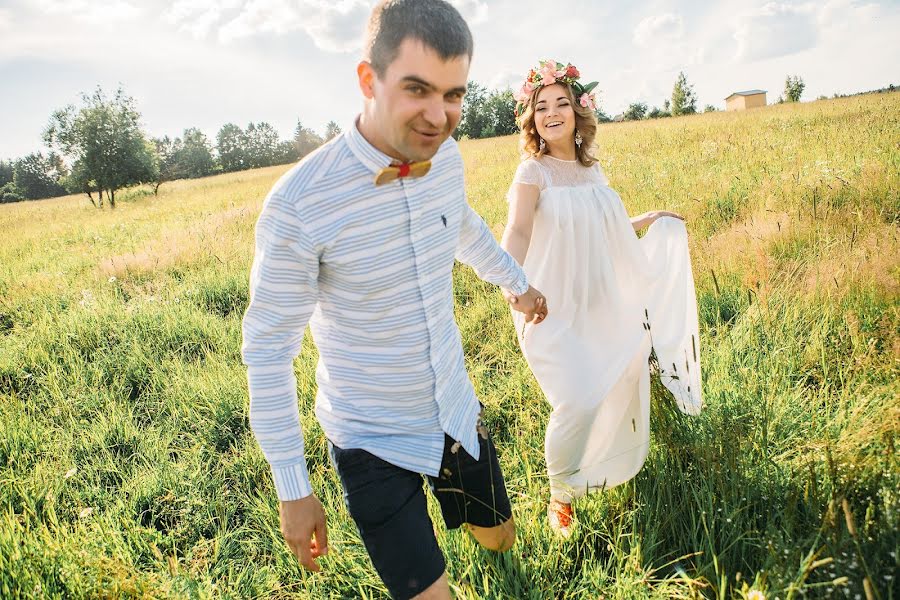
(204, 63)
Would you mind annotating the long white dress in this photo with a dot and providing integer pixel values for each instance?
(612, 297)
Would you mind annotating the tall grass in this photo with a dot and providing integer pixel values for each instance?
(128, 469)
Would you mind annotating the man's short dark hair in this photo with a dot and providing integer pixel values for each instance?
(435, 23)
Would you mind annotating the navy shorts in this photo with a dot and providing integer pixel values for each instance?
(387, 504)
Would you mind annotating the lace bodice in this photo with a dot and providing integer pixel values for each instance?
(546, 172)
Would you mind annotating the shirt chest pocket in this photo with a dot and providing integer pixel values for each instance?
(439, 222)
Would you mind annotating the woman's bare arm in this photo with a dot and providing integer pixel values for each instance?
(523, 198)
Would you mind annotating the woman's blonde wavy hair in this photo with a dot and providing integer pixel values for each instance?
(585, 123)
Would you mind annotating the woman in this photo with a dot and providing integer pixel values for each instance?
(614, 297)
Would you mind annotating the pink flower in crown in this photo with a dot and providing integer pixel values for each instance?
(549, 73)
(587, 101)
(524, 92)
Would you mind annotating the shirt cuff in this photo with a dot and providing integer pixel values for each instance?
(520, 286)
(291, 482)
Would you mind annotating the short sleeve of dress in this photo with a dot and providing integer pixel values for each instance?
(529, 172)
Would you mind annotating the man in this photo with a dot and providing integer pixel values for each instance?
(364, 253)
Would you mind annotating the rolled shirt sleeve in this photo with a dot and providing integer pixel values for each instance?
(478, 249)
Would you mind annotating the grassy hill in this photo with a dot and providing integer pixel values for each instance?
(128, 469)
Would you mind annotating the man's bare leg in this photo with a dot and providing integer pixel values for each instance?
(499, 539)
(439, 590)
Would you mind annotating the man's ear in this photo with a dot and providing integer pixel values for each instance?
(366, 74)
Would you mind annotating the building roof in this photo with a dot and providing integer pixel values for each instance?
(747, 93)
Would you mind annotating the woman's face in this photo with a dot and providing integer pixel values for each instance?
(554, 117)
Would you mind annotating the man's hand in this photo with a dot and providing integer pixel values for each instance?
(300, 519)
(532, 303)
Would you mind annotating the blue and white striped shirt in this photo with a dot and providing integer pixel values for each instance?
(370, 269)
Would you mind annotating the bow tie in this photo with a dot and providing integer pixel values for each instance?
(399, 170)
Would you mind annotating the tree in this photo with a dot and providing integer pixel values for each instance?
(657, 113)
(193, 154)
(166, 152)
(793, 88)
(709, 108)
(500, 114)
(105, 144)
(602, 117)
(284, 152)
(331, 130)
(10, 193)
(305, 140)
(260, 144)
(230, 145)
(6, 172)
(684, 101)
(474, 118)
(36, 176)
(635, 111)
(8, 190)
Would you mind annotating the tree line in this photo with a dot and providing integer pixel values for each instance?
(100, 147)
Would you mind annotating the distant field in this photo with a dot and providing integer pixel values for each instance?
(128, 469)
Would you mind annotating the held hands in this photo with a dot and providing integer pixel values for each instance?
(300, 519)
(532, 303)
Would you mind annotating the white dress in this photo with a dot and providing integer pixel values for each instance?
(611, 298)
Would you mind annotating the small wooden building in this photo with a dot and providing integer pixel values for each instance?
(745, 100)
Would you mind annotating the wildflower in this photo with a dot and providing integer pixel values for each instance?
(756, 595)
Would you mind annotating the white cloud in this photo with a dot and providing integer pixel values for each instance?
(199, 17)
(94, 12)
(332, 26)
(665, 28)
(259, 17)
(505, 79)
(775, 30)
(474, 12)
(338, 27)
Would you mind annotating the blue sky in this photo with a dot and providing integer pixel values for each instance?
(203, 63)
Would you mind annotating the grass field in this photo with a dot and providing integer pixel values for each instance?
(128, 469)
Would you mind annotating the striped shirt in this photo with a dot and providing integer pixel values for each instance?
(370, 270)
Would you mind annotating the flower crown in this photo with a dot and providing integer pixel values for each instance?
(549, 72)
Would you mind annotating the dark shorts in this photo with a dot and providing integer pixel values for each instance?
(388, 505)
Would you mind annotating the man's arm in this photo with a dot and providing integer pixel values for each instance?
(478, 249)
(283, 294)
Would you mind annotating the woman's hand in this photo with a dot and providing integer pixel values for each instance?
(648, 218)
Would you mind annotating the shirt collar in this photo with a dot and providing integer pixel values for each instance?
(370, 156)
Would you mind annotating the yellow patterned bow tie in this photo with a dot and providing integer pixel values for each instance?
(399, 170)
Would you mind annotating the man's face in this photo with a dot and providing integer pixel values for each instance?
(418, 101)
